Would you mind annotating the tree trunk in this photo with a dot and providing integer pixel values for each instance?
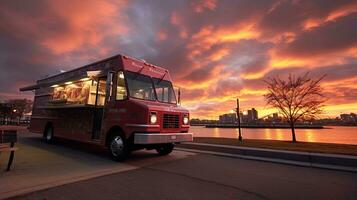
(293, 131)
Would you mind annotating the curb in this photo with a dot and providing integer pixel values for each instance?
(306, 159)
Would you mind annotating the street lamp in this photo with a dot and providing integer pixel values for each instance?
(239, 127)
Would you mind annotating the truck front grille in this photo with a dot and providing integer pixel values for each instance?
(171, 121)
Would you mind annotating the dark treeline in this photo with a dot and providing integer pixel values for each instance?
(15, 111)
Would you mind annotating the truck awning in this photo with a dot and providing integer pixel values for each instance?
(55, 80)
(30, 87)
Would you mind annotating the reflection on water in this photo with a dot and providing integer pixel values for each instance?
(309, 136)
(237, 133)
(216, 132)
(332, 134)
(267, 134)
(279, 134)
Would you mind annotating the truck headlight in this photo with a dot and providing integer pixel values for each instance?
(153, 118)
(185, 120)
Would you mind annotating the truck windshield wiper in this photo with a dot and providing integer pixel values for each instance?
(162, 78)
(138, 72)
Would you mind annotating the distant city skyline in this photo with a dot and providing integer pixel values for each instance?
(216, 51)
(248, 116)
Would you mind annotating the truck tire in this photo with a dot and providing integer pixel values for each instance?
(118, 147)
(48, 136)
(165, 149)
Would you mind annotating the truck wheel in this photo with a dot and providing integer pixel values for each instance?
(118, 148)
(165, 149)
(48, 136)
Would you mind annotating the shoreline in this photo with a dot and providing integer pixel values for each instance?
(279, 126)
(312, 147)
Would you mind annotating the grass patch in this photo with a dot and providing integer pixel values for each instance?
(313, 147)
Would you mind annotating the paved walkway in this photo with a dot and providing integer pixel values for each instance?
(38, 165)
(208, 177)
(71, 171)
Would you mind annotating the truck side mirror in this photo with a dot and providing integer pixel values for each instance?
(179, 96)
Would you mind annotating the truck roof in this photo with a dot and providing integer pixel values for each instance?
(104, 65)
(79, 68)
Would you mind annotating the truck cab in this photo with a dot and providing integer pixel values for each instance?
(120, 103)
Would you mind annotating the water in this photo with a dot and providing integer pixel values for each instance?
(331, 134)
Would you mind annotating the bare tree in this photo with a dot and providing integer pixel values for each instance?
(296, 98)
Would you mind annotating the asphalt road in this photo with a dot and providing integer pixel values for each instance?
(204, 176)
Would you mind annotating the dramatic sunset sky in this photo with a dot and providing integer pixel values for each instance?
(216, 50)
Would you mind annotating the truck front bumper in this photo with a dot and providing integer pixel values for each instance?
(161, 138)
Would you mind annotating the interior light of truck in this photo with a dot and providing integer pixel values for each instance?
(54, 86)
(93, 73)
(121, 75)
(153, 118)
(85, 79)
(185, 119)
(69, 82)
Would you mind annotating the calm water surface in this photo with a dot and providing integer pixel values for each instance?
(331, 134)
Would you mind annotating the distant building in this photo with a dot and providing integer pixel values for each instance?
(254, 114)
(241, 116)
(251, 116)
(275, 117)
(352, 117)
(229, 118)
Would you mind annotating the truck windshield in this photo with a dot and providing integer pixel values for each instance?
(142, 87)
(164, 91)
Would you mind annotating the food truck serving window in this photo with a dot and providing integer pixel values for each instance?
(140, 86)
(80, 92)
(72, 93)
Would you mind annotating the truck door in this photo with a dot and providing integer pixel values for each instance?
(104, 85)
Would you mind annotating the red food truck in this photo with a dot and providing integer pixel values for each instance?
(120, 103)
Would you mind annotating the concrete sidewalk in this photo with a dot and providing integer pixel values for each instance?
(38, 165)
(320, 160)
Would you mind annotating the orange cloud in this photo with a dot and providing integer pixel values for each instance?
(219, 54)
(161, 35)
(346, 10)
(201, 5)
(177, 20)
(87, 24)
(230, 35)
(278, 62)
(332, 110)
(203, 40)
